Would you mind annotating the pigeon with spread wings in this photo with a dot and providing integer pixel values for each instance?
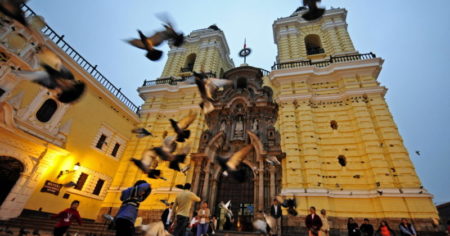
(226, 207)
(180, 127)
(207, 87)
(149, 43)
(173, 159)
(231, 165)
(313, 12)
(12, 9)
(55, 77)
(141, 132)
(148, 164)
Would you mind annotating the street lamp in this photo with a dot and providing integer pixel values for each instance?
(63, 172)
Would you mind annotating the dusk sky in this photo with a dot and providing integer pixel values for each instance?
(412, 38)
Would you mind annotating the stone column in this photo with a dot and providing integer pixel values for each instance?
(272, 181)
(206, 182)
(261, 186)
(197, 158)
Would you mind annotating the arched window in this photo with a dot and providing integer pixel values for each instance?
(189, 64)
(241, 83)
(313, 44)
(47, 110)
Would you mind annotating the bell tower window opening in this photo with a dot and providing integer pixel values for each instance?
(189, 64)
(313, 44)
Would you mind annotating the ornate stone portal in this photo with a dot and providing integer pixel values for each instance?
(245, 106)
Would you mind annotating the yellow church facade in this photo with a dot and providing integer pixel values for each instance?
(321, 100)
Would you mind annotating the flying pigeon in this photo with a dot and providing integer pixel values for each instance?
(149, 43)
(231, 165)
(147, 164)
(272, 160)
(108, 217)
(154, 229)
(235, 160)
(12, 8)
(418, 153)
(180, 186)
(165, 202)
(174, 160)
(313, 12)
(271, 222)
(226, 207)
(261, 226)
(141, 132)
(70, 184)
(181, 126)
(185, 169)
(55, 77)
(207, 87)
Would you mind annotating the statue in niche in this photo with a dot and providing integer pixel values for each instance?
(223, 126)
(239, 128)
(255, 125)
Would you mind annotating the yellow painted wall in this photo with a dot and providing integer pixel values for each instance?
(97, 107)
(367, 135)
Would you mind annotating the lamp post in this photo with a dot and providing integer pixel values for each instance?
(63, 172)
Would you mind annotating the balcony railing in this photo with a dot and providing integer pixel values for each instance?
(82, 62)
(174, 80)
(297, 64)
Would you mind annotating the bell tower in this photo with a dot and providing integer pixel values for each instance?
(204, 49)
(298, 39)
(343, 149)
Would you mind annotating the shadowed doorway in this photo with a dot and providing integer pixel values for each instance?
(242, 202)
(10, 170)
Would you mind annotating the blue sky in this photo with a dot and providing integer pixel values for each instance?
(411, 36)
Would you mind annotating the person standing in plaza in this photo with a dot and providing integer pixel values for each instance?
(128, 211)
(204, 215)
(65, 218)
(275, 212)
(407, 229)
(166, 216)
(313, 222)
(182, 207)
(325, 230)
(352, 227)
(366, 228)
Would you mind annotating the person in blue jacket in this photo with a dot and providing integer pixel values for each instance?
(131, 198)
